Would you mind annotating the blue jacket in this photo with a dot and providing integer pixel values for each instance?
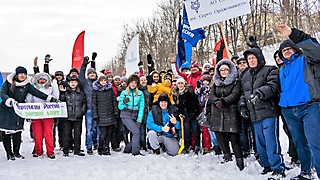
(151, 125)
(294, 89)
(135, 102)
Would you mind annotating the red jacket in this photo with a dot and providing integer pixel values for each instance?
(191, 78)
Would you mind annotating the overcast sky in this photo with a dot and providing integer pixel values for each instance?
(30, 28)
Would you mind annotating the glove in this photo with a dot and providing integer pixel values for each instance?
(54, 100)
(125, 100)
(254, 98)
(252, 42)
(138, 124)
(85, 60)
(9, 102)
(94, 55)
(244, 112)
(198, 84)
(149, 80)
(47, 58)
(218, 104)
(149, 58)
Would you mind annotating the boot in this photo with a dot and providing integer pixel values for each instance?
(196, 150)
(156, 151)
(100, 151)
(106, 152)
(226, 158)
(240, 163)
(11, 157)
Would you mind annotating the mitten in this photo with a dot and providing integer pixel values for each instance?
(94, 55)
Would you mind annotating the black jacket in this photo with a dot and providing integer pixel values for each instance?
(104, 104)
(186, 102)
(263, 81)
(76, 103)
(228, 91)
(9, 120)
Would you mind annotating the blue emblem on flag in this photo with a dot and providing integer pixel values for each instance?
(195, 5)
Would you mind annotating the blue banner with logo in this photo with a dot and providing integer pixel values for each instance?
(192, 36)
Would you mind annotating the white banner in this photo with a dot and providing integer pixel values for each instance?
(40, 110)
(132, 56)
(205, 12)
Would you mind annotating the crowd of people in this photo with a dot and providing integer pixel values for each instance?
(240, 99)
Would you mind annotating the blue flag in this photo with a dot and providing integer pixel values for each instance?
(192, 36)
(183, 58)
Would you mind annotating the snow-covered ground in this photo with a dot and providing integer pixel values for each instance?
(125, 166)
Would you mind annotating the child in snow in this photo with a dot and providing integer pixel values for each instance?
(104, 112)
(75, 98)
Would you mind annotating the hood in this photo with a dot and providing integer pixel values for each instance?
(26, 81)
(37, 76)
(288, 43)
(176, 92)
(233, 73)
(163, 81)
(98, 87)
(258, 53)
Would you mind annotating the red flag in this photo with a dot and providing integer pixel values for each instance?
(217, 47)
(78, 51)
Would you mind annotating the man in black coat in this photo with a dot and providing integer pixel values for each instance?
(259, 101)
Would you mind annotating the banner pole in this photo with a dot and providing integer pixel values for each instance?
(225, 40)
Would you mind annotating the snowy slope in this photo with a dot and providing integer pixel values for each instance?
(124, 166)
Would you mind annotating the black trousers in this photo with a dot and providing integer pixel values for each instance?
(16, 141)
(116, 136)
(69, 126)
(105, 136)
(223, 141)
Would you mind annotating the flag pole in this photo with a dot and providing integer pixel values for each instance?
(224, 40)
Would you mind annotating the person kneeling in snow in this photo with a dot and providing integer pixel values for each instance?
(159, 121)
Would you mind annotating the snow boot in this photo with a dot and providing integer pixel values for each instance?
(156, 151)
(217, 150)
(266, 170)
(196, 150)
(240, 163)
(226, 158)
(89, 151)
(106, 151)
(277, 176)
(100, 151)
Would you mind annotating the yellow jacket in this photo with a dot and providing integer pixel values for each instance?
(161, 88)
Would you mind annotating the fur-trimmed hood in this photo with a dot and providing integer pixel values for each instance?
(233, 73)
(176, 92)
(42, 75)
(98, 87)
(25, 82)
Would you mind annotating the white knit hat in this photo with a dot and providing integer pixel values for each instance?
(181, 80)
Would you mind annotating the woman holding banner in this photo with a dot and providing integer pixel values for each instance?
(15, 89)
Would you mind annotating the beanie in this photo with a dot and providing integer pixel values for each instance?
(91, 70)
(206, 78)
(108, 73)
(163, 97)
(116, 77)
(74, 70)
(21, 69)
(181, 80)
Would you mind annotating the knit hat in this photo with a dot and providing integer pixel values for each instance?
(91, 70)
(206, 64)
(73, 78)
(74, 70)
(123, 79)
(179, 80)
(57, 73)
(21, 69)
(108, 73)
(241, 59)
(224, 66)
(143, 77)
(234, 57)
(163, 97)
(116, 77)
(275, 54)
(194, 64)
(206, 78)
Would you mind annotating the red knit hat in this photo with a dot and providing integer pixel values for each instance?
(108, 73)
(194, 64)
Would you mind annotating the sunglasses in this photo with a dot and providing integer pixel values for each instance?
(242, 62)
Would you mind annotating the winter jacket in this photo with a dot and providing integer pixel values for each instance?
(76, 103)
(262, 81)
(186, 102)
(190, 78)
(49, 88)
(300, 76)
(161, 88)
(136, 102)
(146, 94)
(228, 91)
(86, 84)
(157, 118)
(9, 120)
(104, 104)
